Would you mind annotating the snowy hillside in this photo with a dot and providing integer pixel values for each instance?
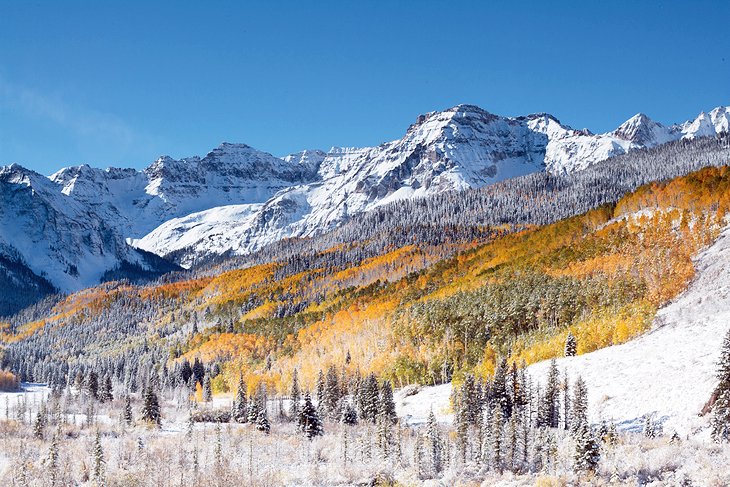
(670, 371)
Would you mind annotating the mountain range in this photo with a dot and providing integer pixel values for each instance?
(83, 225)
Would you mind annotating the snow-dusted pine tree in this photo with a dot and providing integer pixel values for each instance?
(721, 409)
(240, 404)
(309, 422)
(571, 346)
(587, 452)
(295, 394)
(580, 405)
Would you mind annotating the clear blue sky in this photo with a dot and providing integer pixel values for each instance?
(119, 85)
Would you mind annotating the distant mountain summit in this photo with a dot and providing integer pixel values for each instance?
(82, 224)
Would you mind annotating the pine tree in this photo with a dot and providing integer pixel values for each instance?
(548, 413)
(720, 421)
(99, 462)
(151, 407)
(512, 439)
(349, 415)
(53, 453)
(496, 432)
(368, 398)
(296, 395)
(92, 385)
(580, 405)
(570, 345)
(320, 386)
(435, 445)
(262, 421)
(252, 415)
(207, 389)
(127, 412)
(39, 424)
(105, 393)
(387, 404)
(332, 393)
(384, 436)
(309, 421)
(500, 394)
(240, 404)
(587, 451)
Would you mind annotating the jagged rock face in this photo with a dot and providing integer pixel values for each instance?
(58, 238)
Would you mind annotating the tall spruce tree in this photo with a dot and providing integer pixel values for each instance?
(309, 421)
(579, 413)
(127, 411)
(587, 450)
(207, 389)
(98, 460)
(548, 410)
(295, 394)
(151, 407)
(387, 404)
(435, 446)
(720, 422)
(240, 405)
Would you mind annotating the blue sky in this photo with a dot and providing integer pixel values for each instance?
(120, 84)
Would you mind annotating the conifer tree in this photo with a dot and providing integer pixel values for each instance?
(496, 433)
(240, 405)
(349, 415)
(39, 424)
(332, 393)
(151, 407)
(105, 392)
(500, 394)
(295, 395)
(309, 422)
(435, 445)
(570, 345)
(320, 386)
(252, 415)
(92, 385)
(262, 421)
(53, 454)
(548, 413)
(368, 398)
(127, 412)
(720, 421)
(512, 440)
(587, 451)
(98, 461)
(207, 389)
(580, 405)
(387, 404)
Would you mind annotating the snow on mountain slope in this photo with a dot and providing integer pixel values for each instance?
(462, 147)
(670, 371)
(139, 201)
(57, 237)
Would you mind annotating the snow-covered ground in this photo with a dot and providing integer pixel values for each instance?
(669, 372)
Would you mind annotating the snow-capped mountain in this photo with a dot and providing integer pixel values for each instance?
(58, 238)
(71, 228)
(463, 147)
(139, 201)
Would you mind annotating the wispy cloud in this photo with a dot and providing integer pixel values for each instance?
(80, 122)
